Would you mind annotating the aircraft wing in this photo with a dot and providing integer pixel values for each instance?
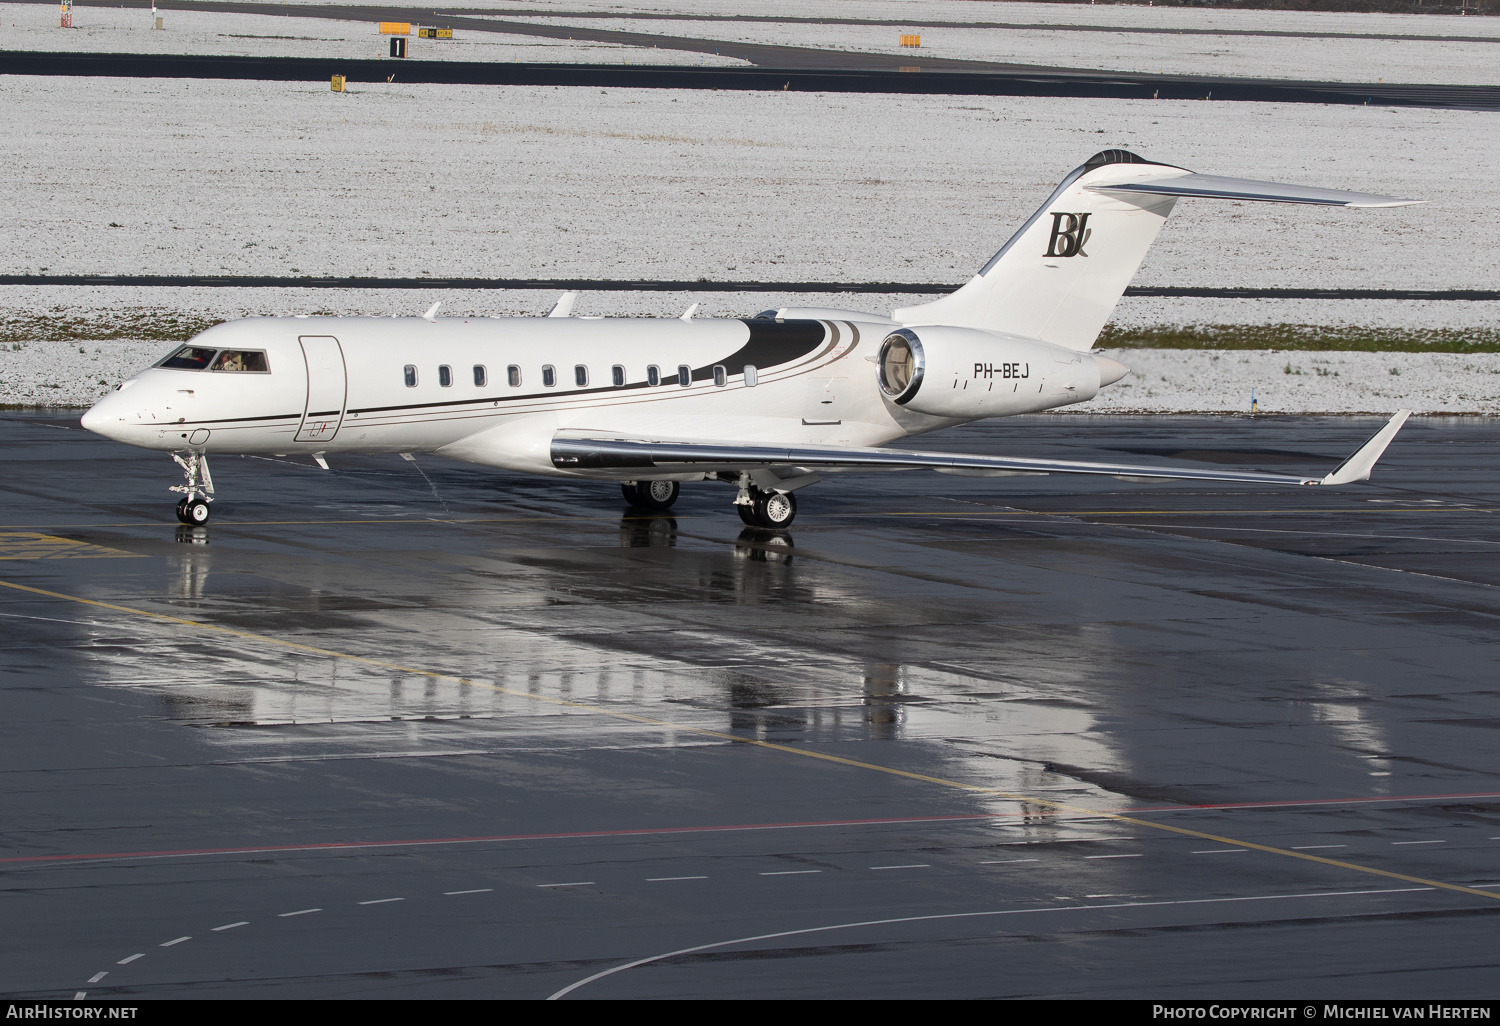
(577, 453)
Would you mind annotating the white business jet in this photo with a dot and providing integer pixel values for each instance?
(766, 404)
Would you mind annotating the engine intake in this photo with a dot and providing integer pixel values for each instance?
(967, 372)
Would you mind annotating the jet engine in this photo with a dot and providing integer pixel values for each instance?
(967, 373)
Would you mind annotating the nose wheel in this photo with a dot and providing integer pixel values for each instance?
(194, 510)
(195, 505)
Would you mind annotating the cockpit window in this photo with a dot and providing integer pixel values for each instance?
(242, 360)
(189, 358)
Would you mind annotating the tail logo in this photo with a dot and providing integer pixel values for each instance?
(1069, 233)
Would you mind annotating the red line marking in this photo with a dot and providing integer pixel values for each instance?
(642, 831)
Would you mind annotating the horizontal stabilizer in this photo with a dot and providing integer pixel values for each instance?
(1219, 187)
(634, 455)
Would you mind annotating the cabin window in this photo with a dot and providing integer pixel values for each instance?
(189, 358)
(481, 376)
(411, 375)
(445, 375)
(549, 375)
(581, 376)
(617, 375)
(653, 375)
(721, 376)
(513, 375)
(684, 375)
(238, 360)
(750, 375)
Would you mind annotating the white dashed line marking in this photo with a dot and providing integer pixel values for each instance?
(179, 940)
(230, 926)
(1218, 851)
(80, 995)
(1055, 840)
(299, 912)
(477, 890)
(1315, 847)
(1112, 856)
(791, 872)
(665, 879)
(381, 901)
(132, 958)
(1419, 842)
(97, 977)
(1006, 862)
(574, 883)
(919, 865)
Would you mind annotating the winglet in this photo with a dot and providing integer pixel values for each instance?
(564, 305)
(1358, 466)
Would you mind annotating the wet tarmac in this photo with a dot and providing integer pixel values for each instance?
(433, 731)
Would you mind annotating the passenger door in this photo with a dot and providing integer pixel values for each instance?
(326, 388)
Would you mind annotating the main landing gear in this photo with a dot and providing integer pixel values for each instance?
(773, 510)
(195, 506)
(652, 495)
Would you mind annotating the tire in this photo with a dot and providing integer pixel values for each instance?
(651, 494)
(194, 511)
(747, 514)
(775, 510)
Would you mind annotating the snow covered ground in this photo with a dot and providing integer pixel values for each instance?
(197, 177)
(228, 33)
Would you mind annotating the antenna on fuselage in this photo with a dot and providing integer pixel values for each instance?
(687, 314)
(431, 313)
(564, 305)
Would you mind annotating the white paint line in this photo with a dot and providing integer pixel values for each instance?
(1055, 840)
(132, 958)
(792, 872)
(1106, 895)
(381, 901)
(1113, 856)
(1217, 851)
(80, 995)
(97, 977)
(574, 883)
(477, 890)
(1315, 847)
(1006, 862)
(231, 926)
(967, 915)
(1419, 842)
(179, 940)
(664, 879)
(919, 865)
(299, 912)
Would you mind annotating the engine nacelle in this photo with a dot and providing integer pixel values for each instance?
(967, 373)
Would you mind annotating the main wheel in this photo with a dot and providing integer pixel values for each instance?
(194, 510)
(747, 514)
(775, 509)
(651, 494)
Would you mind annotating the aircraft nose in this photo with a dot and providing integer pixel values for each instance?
(103, 417)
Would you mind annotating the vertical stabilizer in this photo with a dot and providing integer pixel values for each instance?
(1058, 278)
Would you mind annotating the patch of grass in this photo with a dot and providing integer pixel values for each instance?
(1311, 337)
(57, 325)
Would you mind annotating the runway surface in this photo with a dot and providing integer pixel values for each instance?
(660, 285)
(422, 731)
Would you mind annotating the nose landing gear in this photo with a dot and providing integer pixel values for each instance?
(195, 506)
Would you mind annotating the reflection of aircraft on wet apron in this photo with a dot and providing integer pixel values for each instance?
(767, 404)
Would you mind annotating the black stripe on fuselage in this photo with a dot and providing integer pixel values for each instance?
(238, 420)
(772, 344)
